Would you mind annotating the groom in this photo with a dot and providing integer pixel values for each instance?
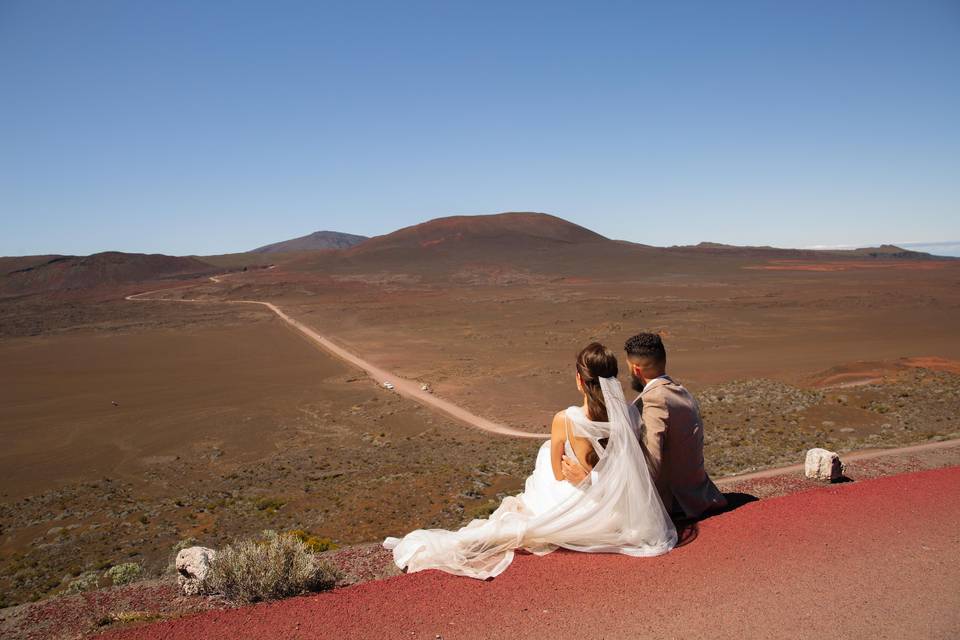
(672, 433)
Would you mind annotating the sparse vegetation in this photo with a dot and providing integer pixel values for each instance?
(269, 505)
(278, 566)
(85, 582)
(127, 617)
(365, 492)
(314, 543)
(751, 424)
(123, 573)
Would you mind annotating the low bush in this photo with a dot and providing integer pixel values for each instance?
(269, 505)
(123, 573)
(278, 566)
(313, 543)
(85, 582)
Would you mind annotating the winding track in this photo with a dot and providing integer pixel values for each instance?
(407, 388)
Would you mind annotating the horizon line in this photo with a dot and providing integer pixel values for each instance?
(866, 245)
(816, 247)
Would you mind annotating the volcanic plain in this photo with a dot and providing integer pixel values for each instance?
(132, 426)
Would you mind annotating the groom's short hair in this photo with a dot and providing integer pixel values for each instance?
(646, 345)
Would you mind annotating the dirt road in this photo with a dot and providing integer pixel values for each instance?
(407, 388)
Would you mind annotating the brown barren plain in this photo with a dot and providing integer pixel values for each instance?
(130, 426)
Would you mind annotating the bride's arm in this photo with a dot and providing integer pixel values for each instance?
(558, 436)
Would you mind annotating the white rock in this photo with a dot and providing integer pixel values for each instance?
(193, 563)
(823, 465)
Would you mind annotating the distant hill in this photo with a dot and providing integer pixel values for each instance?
(890, 251)
(60, 273)
(886, 251)
(502, 229)
(489, 248)
(16, 263)
(315, 241)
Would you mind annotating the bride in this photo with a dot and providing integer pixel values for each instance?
(618, 511)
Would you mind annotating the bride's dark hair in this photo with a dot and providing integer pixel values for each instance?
(595, 361)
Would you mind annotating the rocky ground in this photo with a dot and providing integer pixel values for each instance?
(384, 482)
(378, 484)
(755, 424)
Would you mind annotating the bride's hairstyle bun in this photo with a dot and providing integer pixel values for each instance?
(595, 361)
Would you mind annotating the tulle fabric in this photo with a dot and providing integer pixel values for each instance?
(619, 512)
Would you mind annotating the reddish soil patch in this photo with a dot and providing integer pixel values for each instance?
(934, 363)
(864, 373)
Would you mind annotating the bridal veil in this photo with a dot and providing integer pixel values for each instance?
(619, 512)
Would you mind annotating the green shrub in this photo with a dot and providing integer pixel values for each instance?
(123, 573)
(276, 567)
(85, 582)
(269, 505)
(313, 543)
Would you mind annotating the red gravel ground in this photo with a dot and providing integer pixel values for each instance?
(77, 616)
(875, 558)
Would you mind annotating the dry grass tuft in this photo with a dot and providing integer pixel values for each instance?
(278, 566)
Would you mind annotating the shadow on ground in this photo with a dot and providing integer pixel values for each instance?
(689, 528)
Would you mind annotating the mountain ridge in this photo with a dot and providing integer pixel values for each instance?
(480, 237)
(65, 272)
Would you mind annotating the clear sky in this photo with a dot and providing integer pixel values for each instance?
(209, 127)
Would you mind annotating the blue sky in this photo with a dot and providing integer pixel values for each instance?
(203, 127)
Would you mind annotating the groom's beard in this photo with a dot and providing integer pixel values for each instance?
(636, 383)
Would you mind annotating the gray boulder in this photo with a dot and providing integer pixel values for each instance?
(823, 465)
(193, 564)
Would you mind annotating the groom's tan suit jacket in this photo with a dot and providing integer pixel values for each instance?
(673, 443)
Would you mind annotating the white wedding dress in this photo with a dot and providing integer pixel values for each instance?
(619, 511)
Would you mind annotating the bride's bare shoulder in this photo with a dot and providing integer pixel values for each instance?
(559, 422)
